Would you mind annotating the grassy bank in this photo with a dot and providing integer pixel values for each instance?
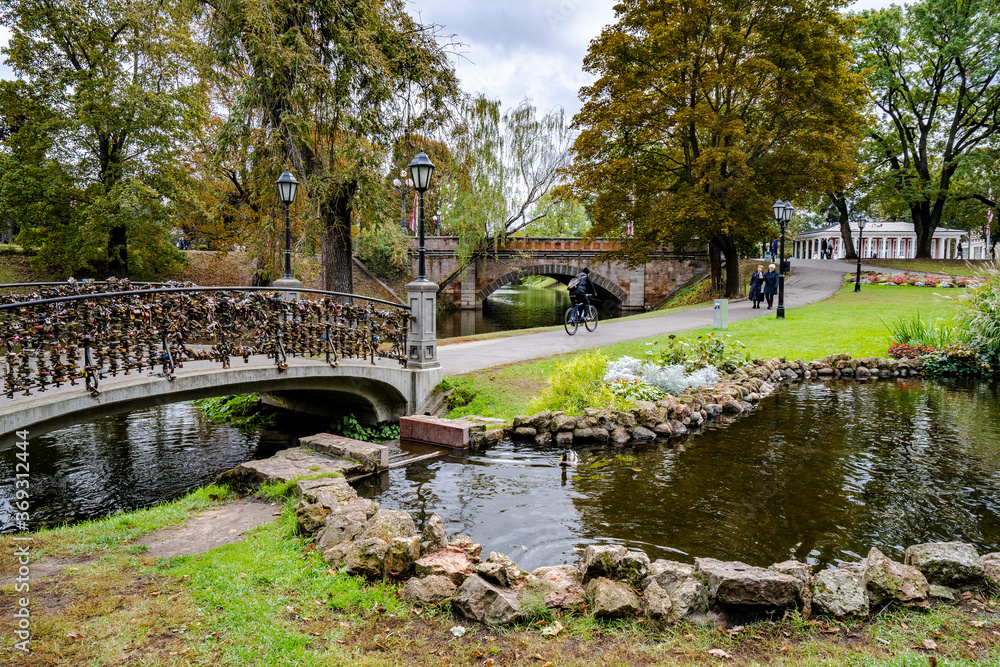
(847, 322)
(271, 600)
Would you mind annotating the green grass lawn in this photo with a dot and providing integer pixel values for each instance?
(847, 322)
(951, 267)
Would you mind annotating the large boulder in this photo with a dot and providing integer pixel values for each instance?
(389, 524)
(889, 581)
(601, 560)
(311, 516)
(612, 599)
(839, 593)
(338, 529)
(434, 536)
(688, 595)
(656, 603)
(951, 564)
(401, 556)
(741, 585)
(366, 557)
(633, 567)
(501, 570)
(456, 561)
(482, 601)
(428, 591)
(563, 584)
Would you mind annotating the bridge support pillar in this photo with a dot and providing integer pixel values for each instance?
(421, 335)
(290, 288)
(637, 287)
(469, 288)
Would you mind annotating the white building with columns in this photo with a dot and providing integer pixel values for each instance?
(895, 240)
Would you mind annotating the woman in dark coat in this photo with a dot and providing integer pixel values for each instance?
(756, 283)
(770, 285)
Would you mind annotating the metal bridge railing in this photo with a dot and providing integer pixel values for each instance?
(65, 333)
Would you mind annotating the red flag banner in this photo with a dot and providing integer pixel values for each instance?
(629, 228)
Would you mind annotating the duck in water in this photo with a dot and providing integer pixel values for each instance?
(568, 458)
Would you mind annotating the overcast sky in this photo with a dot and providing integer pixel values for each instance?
(520, 48)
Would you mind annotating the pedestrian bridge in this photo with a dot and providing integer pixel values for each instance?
(77, 351)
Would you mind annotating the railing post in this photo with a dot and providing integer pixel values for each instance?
(421, 335)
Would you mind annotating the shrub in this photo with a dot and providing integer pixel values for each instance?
(980, 316)
(634, 390)
(575, 385)
(384, 249)
(709, 350)
(917, 332)
(349, 427)
(624, 368)
(668, 379)
(955, 360)
(902, 350)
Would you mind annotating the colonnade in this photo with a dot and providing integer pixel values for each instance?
(879, 246)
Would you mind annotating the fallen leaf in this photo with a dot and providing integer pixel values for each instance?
(242, 575)
(75, 636)
(978, 624)
(929, 644)
(904, 626)
(552, 630)
(718, 653)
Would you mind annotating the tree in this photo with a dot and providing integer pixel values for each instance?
(707, 111)
(329, 85)
(932, 67)
(504, 165)
(117, 76)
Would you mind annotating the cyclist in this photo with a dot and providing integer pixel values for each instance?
(580, 293)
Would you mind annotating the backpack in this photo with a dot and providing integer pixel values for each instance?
(573, 284)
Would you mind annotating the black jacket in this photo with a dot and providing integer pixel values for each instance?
(585, 286)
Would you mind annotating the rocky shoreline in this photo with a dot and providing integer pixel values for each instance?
(611, 581)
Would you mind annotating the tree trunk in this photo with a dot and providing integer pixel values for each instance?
(840, 201)
(726, 244)
(714, 268)
(118, 252)
(335, 243)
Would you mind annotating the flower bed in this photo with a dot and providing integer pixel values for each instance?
(912, 279)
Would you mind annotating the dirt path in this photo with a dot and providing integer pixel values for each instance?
(210, 529)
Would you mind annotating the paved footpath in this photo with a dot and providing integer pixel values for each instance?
(813, 280)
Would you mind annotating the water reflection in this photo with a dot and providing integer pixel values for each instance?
(514, 306)
(822, 472)
(127, 461)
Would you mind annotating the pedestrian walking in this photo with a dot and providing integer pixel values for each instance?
(756, 286)
(770, 285)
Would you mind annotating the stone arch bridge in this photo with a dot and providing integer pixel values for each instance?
(561, 258)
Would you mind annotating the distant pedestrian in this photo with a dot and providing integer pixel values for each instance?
(774, 249)
(756, 286)
(959, 251)
(770, 285)
(822, 249)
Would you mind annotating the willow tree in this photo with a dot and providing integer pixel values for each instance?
(117, 77)
(705, 112)
(934, 71)
(328, 85)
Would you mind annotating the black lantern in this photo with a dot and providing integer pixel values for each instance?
(782, 213)
(286, 191)
(421, 169)
(861, 234)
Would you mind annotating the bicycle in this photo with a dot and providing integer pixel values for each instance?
(575, 316)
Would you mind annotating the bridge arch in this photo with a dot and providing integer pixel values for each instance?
(372, 393)
(561, 272)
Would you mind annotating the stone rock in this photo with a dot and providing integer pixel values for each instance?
(428, 591)
(481, 601)
(642, 434)
(564, 438)
(600, 434)
(656, 603)
(543, 438)
(401, 556)
(360, 510)
(952, 564)
(696, 418)
(541, 421)
(465, 543)
(327, 491)
(839, 593)
(663, 428)
(366, 557)
(713, 409)
(566, 599)
(668, 573)
(562, 423)
(525, 432)
(991, 565)
(633, 567)
(601, 560)
(942, 593)
(583, 434)
(626, 419)
(889, 581)
(456, 565)
(732, 406)
(311, 516)
(795, 569)
(387, 524)
(501, 570)
(620, 435)
(336, 555)
(688, 596)
(338, 529)
(560, 577)
(612, 599)
(645, 413)
(434, 536)
(863, 373)
(739, 584)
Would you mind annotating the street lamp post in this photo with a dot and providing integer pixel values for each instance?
(437, 225)
(861, 233)
(421, 169)
(782, 213)
(286, 190)
(403, 187)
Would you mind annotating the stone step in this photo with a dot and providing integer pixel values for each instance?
(454, 433)
(370, 456)
(289, 464)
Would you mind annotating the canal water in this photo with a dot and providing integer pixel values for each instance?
(514, 306)
(821, 472)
